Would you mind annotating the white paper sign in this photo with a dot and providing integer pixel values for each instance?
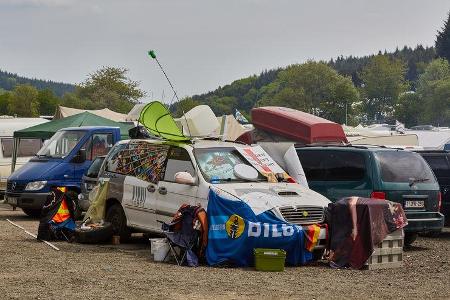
(259, 159)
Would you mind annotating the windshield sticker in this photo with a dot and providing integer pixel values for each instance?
(218, 164)
(260, 160)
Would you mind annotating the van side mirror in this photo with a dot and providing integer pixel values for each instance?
(184, 178)
(80, 157)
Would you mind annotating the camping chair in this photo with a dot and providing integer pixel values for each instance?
(183, 235)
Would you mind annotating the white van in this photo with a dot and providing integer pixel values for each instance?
(143, 188)
(26, 150)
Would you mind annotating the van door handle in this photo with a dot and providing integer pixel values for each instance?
(162, 190)
(151, 188)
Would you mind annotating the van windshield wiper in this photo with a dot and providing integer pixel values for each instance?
(412, 181)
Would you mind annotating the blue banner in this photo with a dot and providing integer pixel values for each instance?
(234, 231)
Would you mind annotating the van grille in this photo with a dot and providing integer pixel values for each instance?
(287, 193)
(13, 186)
(301, 215)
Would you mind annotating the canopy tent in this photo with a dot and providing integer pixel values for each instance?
(64, 112)
(47, 130)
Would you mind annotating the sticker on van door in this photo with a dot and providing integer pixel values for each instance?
(135, 193)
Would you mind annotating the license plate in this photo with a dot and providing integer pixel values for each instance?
(12, 200)
(414, 204)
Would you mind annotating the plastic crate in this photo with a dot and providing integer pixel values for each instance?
(389, 253)
(269, 260)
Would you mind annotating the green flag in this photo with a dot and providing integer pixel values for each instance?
(152, 54)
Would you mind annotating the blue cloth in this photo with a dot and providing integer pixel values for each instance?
(234, 231)
(67, 224)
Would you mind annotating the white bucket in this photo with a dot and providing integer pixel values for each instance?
(159, 249)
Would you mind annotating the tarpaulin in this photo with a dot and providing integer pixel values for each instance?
(357, 225)
(234, 231)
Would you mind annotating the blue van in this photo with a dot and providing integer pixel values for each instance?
(61, 162)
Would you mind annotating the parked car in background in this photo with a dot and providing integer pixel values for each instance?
(89, 181)
(61, 162)
(145, 184)
(439, 162)
(377, 172)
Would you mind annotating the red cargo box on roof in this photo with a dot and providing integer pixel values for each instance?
(297, 125)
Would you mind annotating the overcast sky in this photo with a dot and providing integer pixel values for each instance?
(202, 44)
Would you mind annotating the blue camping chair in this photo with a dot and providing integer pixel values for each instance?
(182, 236)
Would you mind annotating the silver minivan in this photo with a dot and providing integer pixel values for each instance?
(145, 186)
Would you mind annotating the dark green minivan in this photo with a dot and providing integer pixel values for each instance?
(377, 172)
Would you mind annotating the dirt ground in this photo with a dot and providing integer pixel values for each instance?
(32, 270)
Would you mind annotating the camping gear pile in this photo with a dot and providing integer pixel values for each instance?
(94, 229)
(57, 218)
(358, 225)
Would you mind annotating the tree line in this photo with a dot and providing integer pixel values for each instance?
(9, 80)
(108, 87)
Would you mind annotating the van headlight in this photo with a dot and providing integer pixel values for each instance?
(35, 185)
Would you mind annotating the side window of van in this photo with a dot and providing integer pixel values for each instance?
(346, 166)
(113, 158)
(333, 165)
(438, 164)
(314, 164)
(142, 160)
(99, 144)
(178, 161)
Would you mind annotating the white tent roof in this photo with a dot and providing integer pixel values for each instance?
(429, 139)
(135, 112)
(10, 124)
(62, 112)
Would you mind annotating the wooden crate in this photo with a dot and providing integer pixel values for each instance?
(389, 253)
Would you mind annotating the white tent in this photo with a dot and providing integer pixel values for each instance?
(62, 112)
(432, 140)
(135, 112)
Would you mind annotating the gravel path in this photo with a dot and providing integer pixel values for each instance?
(32, 270)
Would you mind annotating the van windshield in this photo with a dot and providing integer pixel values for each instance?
(217, 164)
(403, 166)
(61, 143)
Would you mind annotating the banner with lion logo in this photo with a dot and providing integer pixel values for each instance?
(235, 230)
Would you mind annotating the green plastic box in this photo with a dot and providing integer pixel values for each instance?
(269, 260)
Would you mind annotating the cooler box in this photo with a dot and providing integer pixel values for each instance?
(269, 260)
(389, 253)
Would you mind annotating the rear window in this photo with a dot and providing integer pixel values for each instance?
(333, 165)
(403, 166)
(438, 164)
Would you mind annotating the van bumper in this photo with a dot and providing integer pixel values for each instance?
(26, 200)
(424, 221)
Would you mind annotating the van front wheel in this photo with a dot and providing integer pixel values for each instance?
(116, 216)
